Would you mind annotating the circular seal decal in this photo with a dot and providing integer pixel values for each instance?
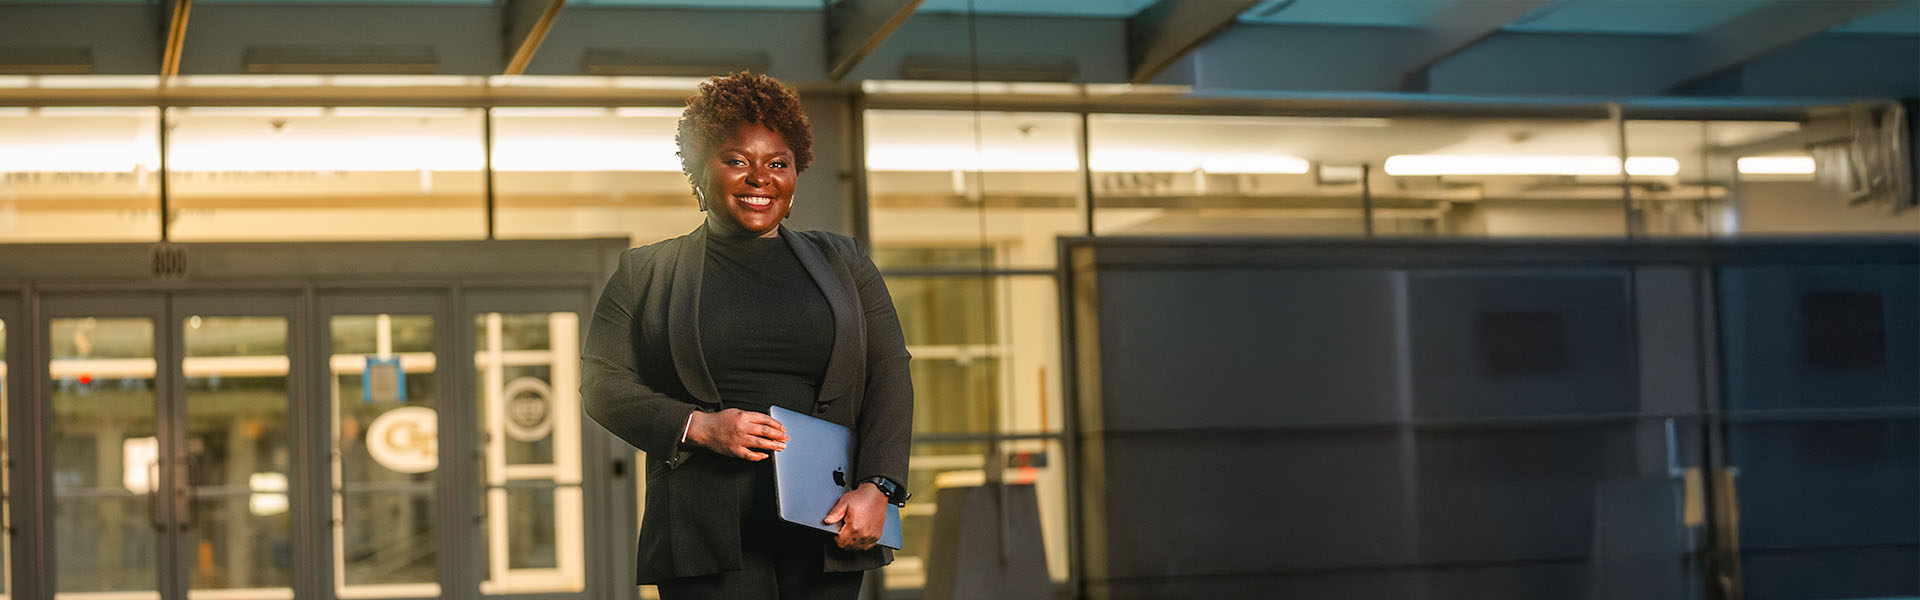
(529, 409)
(405, 439)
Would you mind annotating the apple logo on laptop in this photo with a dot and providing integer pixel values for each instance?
(839, 478)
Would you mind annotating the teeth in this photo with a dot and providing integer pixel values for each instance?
(757, 200)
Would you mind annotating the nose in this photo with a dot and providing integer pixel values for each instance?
(757, 176)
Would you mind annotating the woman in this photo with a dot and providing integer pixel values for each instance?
(696, 337)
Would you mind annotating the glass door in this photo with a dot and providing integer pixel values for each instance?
(382, 398)
(168, 447)
(112, 512)
(526, 383)
(232, 395)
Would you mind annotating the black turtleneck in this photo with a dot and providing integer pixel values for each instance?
(765, 328)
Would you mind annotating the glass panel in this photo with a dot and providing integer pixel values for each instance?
(79, 174)
(977, 343)
(1821, 399)
(386, 451)
(528, 365)
(326, 174)
(1751, 177)
(105, 454)
(1174, 174)
(1500, 177)
(237, 443)
(1302, 176)
(590, 172)
(939, 471)
(1010, 181)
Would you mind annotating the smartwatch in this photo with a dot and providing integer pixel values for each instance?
(895, 494)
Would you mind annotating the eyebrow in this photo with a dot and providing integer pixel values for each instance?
(788, 154)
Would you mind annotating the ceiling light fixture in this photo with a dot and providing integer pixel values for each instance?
(1775, 165)
(1442, 164)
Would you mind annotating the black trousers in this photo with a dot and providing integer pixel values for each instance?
(777, 559)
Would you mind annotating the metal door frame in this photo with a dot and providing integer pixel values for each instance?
(602, 500)
(449, 506)
(114, 304)
(21, 526)
(243, 303)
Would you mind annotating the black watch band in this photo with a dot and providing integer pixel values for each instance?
(895, 494)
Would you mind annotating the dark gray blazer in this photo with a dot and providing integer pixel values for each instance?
(642, 373)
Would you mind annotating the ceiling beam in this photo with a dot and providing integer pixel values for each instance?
(1764, 30)
(176, 38)
(856, 27)
(528, 32)
(1455, 29)
(1168, 30)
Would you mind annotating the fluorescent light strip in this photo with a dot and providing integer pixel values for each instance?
(1443, 164)
(1160, 161)
(1776, 165)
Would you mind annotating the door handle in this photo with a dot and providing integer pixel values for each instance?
(183, 512)
(153, 496)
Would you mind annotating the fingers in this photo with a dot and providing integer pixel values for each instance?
(765, 426)
(839, 511)
(749, 435)
(853, 538)
(857, 533)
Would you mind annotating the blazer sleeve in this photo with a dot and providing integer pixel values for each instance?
(885, 421)
(611, 388)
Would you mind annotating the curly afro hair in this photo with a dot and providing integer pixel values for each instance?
(723, 104)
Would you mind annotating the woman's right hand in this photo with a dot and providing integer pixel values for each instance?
(737, 433)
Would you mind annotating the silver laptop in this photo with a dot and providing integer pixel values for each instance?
(811, 474)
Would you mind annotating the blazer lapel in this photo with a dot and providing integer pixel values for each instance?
(846, 317)
(683, 319)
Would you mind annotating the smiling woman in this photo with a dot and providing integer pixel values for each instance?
(696, 339)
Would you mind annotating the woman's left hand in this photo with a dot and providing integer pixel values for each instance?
(864, 512)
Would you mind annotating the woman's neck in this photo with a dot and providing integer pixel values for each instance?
(719, 227)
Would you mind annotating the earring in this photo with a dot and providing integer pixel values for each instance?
(703, 198)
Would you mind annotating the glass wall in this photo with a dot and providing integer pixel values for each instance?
(936, 179)
(966, 209)
(1223, 175)
(79, 174)
(348, 173)
(1749, 178)
(589, 172)
(950, 183)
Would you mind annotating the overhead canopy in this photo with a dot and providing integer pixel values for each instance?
(1826, 49)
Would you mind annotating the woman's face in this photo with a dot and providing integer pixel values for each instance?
(749, 186)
